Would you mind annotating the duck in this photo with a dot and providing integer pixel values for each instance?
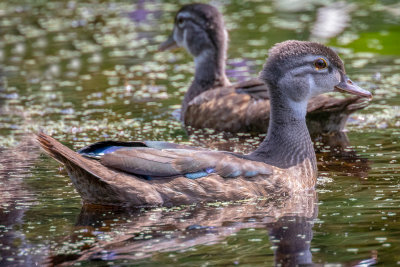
(212, 102)
(156, 173)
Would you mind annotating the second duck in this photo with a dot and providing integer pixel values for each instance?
(213, 102)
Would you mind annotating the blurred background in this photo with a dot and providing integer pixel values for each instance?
(85, 71)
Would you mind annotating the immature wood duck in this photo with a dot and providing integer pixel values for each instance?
(159, 173)
(212, 102)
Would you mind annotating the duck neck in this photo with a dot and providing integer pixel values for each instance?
(209, 74)
(288, 141)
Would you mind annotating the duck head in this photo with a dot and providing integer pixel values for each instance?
(303, 69)
(295, 71)
(198, 28)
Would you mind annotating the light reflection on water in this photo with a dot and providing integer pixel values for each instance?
(288, 221)
(90, 71)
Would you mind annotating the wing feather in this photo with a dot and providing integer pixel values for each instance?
(143, 161)
(173, 162)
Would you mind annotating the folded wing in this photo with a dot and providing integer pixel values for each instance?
(255, 88)
(193, 164)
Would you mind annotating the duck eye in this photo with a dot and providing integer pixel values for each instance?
(181, 21)
(320, 64)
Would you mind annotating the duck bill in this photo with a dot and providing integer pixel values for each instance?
(347, 85)
(168, 44)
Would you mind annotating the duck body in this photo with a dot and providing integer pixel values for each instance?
(230, 177)
(245, 108)
(141, 174)
(212, 102)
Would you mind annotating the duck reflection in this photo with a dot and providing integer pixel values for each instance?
(292, 236)
(336, 154)
(142, 234)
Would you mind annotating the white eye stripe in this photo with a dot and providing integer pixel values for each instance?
(183, 16)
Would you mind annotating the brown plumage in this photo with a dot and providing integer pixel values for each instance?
(137, 174)
(98, 184)
(212, 102)
(243, 107)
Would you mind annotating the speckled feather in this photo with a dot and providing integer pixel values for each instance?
(247, 109)
(172, 162)
(284, 163)
(211, 102)
(98, 184)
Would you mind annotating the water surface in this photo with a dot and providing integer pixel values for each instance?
(86, 71)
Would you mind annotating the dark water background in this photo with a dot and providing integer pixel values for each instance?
(85, 71)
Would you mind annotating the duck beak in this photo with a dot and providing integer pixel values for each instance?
(168, 44)
(347, 85)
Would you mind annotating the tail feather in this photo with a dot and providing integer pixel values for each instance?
(348, 105)
(357, 104)
(98, 184)
(64, 155)
(329, 115)
(85, 174)
(54, 148)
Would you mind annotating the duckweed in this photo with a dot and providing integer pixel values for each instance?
(87, 71)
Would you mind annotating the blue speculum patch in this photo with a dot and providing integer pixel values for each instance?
(250, 173)
(199, 174)
(101, 151)
(192, 175)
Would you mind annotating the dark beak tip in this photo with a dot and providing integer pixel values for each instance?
(348, 86)
(361, 93)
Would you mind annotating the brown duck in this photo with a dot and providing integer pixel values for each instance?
(159, 173)
(212, 102)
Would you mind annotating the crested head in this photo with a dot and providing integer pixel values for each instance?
(197, 28)
(200, 29)
(293, 48)
(304, 69)
(296, 71)
(205, 14)
(289, 54)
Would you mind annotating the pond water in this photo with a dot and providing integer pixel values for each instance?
(85, 71)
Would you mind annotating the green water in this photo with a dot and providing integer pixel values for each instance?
(89, 70)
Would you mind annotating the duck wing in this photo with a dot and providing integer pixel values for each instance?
(191, 163)
(255, 88)
(243, 107)
(98, 149)
(101, 185)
